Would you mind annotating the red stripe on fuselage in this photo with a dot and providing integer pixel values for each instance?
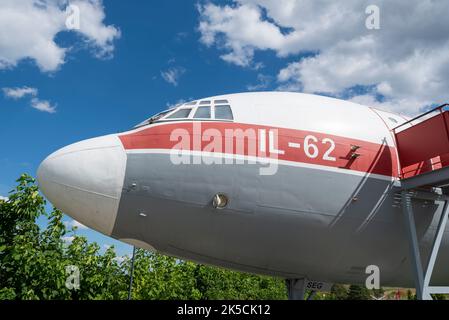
(373, 157)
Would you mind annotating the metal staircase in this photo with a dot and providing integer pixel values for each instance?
(423, 149)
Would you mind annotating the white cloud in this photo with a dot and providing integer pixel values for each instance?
(43, 105)
(403, 106)
(178, 102)
(3, 198)
(263, 81)
(17, 93)
(74, 223)
(120, 259)
(28, 29)
(36, 103)
(406, 61)
(100, 36)
(68, 239)
(172, 75)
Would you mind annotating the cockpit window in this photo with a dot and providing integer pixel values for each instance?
(154, 118)
(201, 110)
(160, 115)
(181, 113)
(223, 112)
(202, 113)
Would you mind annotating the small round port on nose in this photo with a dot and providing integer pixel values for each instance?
(220, 201)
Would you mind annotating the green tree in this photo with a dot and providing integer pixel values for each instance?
(33, 261)
(28, 258)
(378, 293)
(161, 277)
(339, 292)
(357, 292)
(101, 276)
(217, 283)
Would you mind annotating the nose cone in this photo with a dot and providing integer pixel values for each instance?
(85, 180)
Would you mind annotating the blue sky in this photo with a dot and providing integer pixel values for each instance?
(131, 59)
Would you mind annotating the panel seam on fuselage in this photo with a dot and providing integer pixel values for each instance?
(84, 190)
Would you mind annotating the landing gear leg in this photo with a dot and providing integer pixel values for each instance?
(296, 289)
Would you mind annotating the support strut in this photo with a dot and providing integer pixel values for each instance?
(421, 278)
(296, 289)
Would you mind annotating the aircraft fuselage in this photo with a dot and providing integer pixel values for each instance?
(310, 182)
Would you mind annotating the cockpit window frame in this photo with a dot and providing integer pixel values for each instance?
(193, 106)
(152, 119)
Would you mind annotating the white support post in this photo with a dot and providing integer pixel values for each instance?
(413, 242)
(434, 253)
(422, 280)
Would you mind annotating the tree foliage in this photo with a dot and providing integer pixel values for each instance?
(357, 292)
(339, 292)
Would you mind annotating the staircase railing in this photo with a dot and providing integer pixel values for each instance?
(423, 142)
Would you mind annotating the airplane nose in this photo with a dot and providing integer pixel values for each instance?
(85, 181)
